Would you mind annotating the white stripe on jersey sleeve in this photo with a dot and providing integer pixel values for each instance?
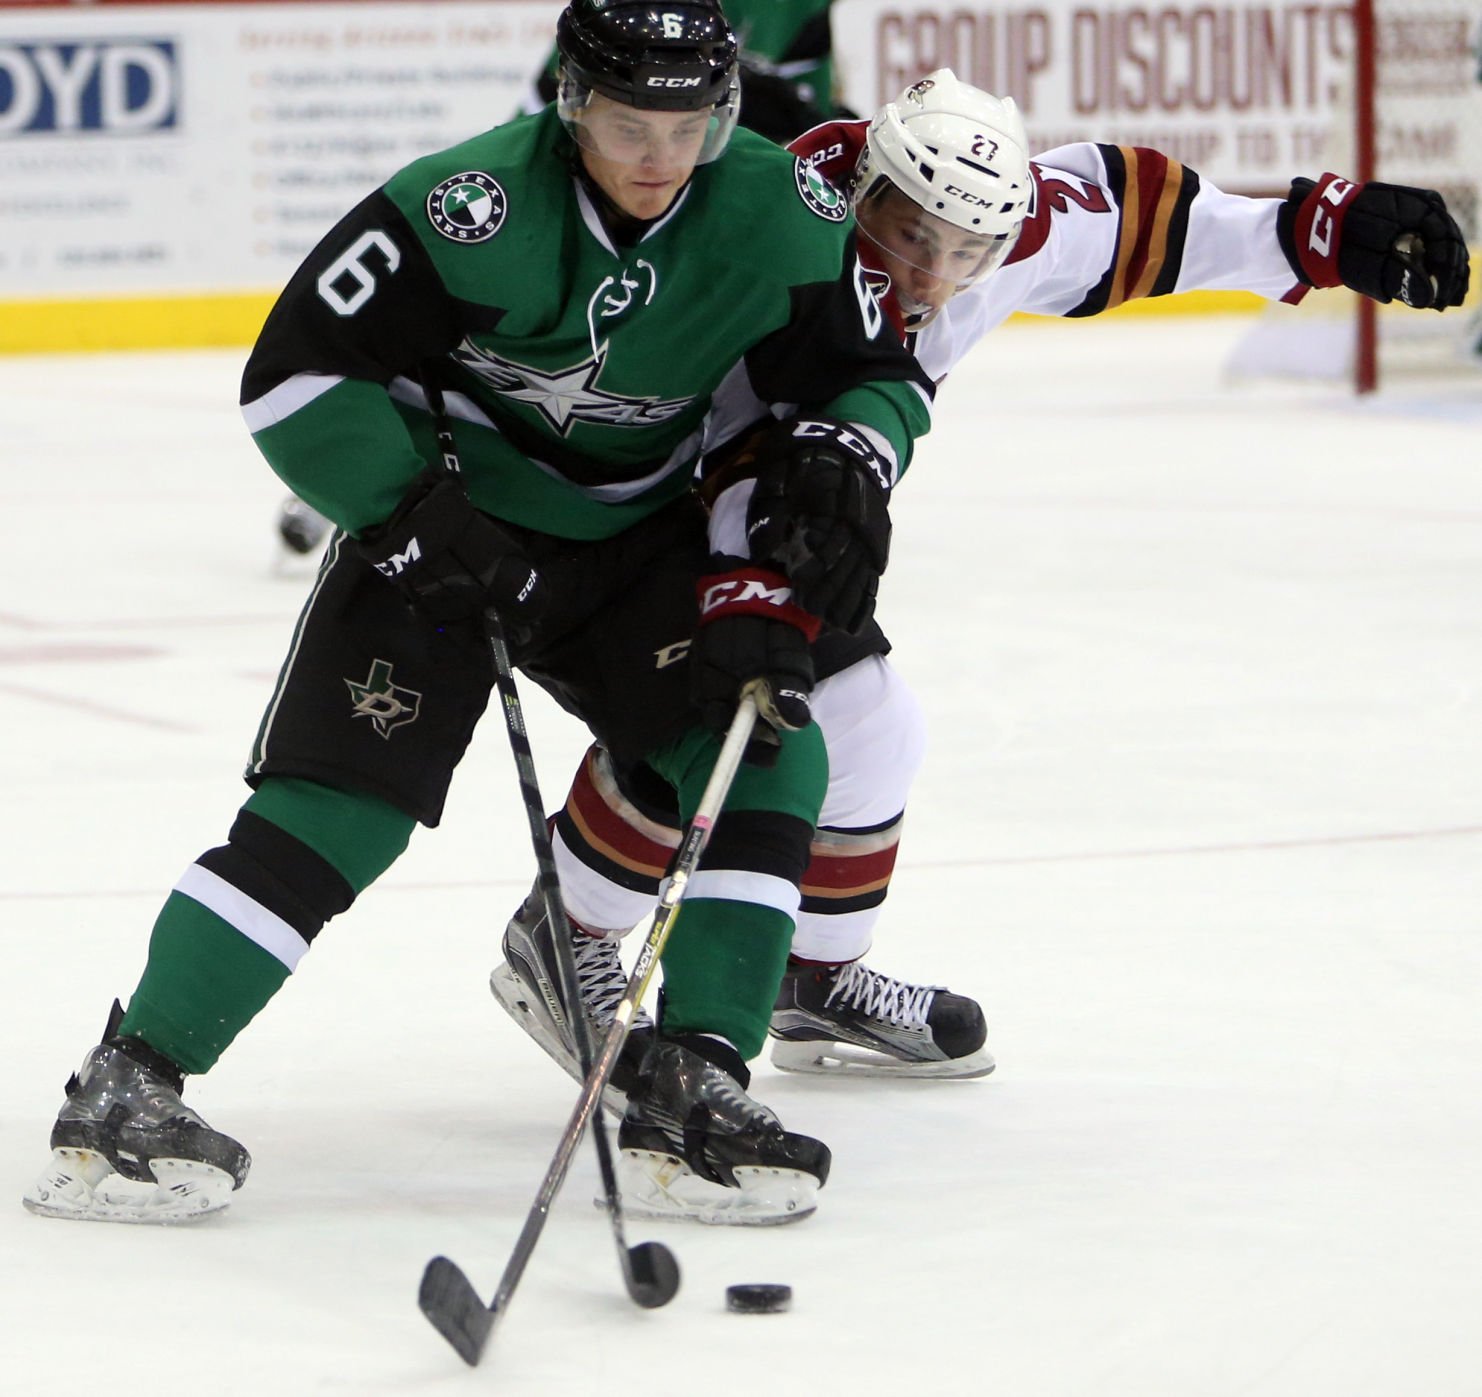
(286, 399)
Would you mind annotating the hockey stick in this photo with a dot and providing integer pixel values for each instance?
(447, 1296)
(650, 1271)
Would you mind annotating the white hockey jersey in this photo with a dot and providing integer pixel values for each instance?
(1106, 224)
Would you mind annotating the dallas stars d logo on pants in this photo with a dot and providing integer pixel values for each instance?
(381, 700)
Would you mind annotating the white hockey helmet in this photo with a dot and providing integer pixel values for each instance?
(962, 157)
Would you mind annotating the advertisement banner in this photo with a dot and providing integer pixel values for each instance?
(195, 150)
(207, 147)
(1247, 92)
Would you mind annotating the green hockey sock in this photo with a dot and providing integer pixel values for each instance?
(728, 949)
(202, 985)
(243, 914)
(722, 967)
(794, 784)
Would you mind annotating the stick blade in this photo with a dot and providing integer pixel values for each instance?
(653, 1275)
(447, 1297)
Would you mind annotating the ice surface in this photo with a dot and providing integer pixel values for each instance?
(1200, 825)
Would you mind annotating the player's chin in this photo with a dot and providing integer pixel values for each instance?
(650, 200)
(917, 313)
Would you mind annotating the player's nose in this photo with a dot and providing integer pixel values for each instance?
(929, 287)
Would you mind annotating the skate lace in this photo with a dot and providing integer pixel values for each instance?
(882, 996)
(600, 978)
(735, 1105)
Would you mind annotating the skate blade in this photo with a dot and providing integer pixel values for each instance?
(514, 999)
(663, 1187)
(845, 1059)
(81, 1185)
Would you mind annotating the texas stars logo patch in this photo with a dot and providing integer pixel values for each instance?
(819, 195)
(469, 208)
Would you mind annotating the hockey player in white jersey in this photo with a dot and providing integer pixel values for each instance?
(959, 229)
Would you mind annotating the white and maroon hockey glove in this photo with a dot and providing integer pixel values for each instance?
(1386, 241)
(820, 512)
(750, 628)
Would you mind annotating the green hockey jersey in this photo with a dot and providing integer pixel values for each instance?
(583, 377)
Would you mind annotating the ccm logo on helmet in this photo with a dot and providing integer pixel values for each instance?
(737, 589)
(968, 198)
(674, 82)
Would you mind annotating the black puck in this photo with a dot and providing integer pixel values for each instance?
(758, 1299)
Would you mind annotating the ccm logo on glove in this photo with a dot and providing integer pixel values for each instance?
(399, 562)
(844, 436)
(1324, 225)
(756, 592)
(751, 629)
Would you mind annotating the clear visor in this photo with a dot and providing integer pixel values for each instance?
(641, 136)
(927, 259)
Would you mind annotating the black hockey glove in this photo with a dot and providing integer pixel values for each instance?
(1386, 241)
(750, 628)
(452, 562)
(820, 513)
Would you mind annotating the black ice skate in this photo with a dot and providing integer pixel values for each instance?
(851, 1019)
(528, 985)
(694, 1145)
(125, 1148)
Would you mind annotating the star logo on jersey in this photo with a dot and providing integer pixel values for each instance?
(564, 397)
(469, 208)
(383, 701)
(819, 195)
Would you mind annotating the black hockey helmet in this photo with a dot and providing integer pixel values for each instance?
(678, 56)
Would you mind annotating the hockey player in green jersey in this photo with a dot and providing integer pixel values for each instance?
(787, 85)
(591, 296)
